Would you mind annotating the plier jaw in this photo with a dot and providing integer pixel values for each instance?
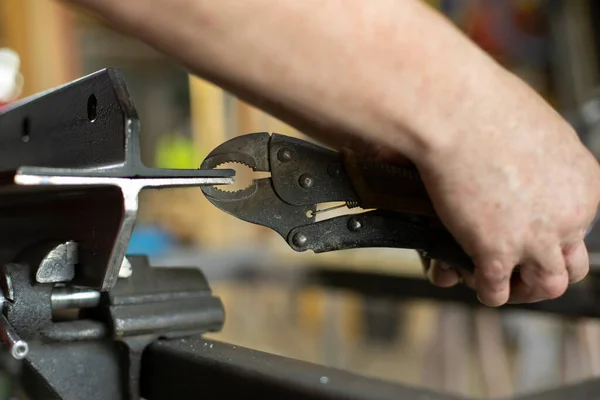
(249, 150)
(258, 203)
(304, 175)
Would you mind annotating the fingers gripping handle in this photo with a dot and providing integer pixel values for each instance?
(443, 247)
(399, 188)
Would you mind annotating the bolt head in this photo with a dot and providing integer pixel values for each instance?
(284, 155)
(300, 240)
(19, 350)
(306, 181)
(354, 224)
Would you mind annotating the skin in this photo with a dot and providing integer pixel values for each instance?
(393, 78)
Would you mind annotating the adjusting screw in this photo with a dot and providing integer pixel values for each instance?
(306, 181)
(300, 240)
(354, 224)
(284, 155)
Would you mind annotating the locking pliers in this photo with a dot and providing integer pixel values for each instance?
(398, 212)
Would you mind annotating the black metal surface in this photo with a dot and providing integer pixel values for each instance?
(288, 160)
(31, 310)
(587, 390)
(381, 229)
(76, 330)
(53, 130)
(258, 203)
(68, 297)
(251, 150)
(187, 368)
(373, 229)
(155, 303)
(325, 176)
(153, 284)
(88, 128)
(75, 371)
(263, 208)
(159, 302)
(92, 217)
(110, 333)
(131, 363)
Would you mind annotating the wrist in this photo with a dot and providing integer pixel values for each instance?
(471, 96)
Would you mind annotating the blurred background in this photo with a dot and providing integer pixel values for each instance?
(271, 304)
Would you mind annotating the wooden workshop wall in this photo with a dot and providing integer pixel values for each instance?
(41, 31)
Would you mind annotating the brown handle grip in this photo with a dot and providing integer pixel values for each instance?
(387, 187)
(399, 188)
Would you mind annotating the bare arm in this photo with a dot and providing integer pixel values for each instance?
(392, 70)
(507, 175)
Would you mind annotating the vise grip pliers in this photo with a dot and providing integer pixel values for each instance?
(399, 213)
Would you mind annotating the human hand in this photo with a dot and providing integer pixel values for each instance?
(516, 189)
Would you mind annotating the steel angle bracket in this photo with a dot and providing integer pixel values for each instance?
(70, 170)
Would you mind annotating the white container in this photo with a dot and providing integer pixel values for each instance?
(11, 80)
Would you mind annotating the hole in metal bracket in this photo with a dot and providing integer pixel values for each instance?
(26, 128)
(92, 108)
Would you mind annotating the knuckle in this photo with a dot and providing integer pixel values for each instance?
(497, 247)
(577, 269)
(492, 299)
(495, 272)
(578, 276)
(444, 277)
(554, 286)
(575, 220)
(568, 249)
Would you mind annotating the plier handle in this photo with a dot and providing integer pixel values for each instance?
(399, 213)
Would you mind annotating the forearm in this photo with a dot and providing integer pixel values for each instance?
(389, 71)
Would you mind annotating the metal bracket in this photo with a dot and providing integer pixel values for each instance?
(70, 170)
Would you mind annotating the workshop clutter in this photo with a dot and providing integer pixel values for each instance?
(11, 79)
